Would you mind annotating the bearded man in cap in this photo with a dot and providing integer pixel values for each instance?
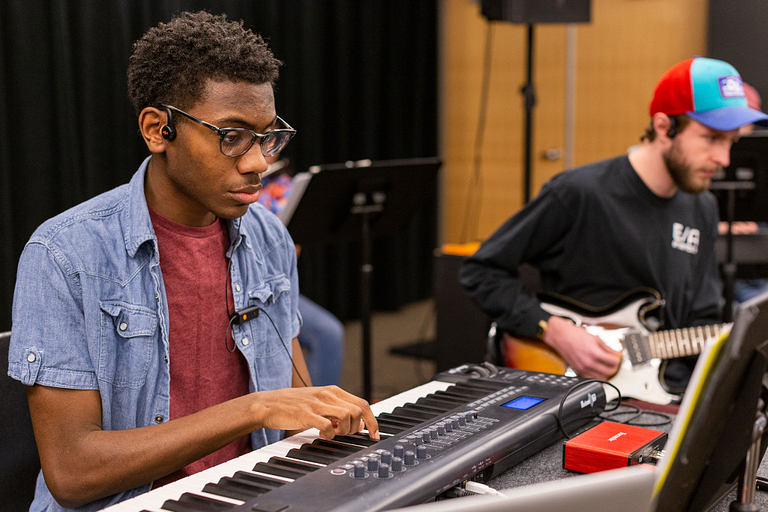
(639, 221)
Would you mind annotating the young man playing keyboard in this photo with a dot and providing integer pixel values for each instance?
(155, 325)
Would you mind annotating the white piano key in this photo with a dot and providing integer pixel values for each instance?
(411, 395)
(153, 500)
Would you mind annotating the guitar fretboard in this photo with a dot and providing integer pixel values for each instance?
(670, 344)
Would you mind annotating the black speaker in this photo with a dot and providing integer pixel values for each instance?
(462, 329)
(537, 11)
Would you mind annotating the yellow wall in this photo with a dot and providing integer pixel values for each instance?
(619, 57)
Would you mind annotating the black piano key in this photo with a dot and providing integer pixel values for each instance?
(245, 476)
(295, 453)
(388, 419)
(471, 391)
(404, 423)
(357, 439)
(426, 409)
(387, 429)
(289, 463)
(348, 448)
(277, 470)
(413, 414)
(441, 401)
(324, 450)
(245, 485)
(458, 395)
(175, 506)
(189, 502)
(224, 489)
(344, 442)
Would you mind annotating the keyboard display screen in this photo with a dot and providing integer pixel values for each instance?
(523, 402)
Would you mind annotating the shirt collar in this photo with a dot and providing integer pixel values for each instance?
(139, 227)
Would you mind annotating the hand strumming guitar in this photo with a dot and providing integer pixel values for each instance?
(588, 355)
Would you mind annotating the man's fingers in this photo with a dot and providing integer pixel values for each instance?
(365, 411)
(325, 426)
(329, 409)
(370, 422)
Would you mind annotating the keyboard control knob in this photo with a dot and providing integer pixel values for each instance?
(455, 424)
(373, 464)
(359, 471)
(383, 470)
(427, 437)
(397, 464)
(399, 450)
(433, 433)
(421, 452)
(386, 457)
(410, 458)
(462, 421)
(448, 426)
(470, 417)
(440, 429)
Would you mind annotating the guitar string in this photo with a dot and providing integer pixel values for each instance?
(679, 342)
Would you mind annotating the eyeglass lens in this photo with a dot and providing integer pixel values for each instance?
(237, 142)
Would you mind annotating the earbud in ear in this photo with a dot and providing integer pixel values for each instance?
(168, 131)
(672, 131)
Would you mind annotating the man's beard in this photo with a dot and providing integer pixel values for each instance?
(682, 173)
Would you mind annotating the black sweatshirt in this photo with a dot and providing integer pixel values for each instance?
(594, 233)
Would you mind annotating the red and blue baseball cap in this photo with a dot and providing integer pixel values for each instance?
(709, 91)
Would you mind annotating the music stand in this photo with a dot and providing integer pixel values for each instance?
(742, 193)
(359, 200)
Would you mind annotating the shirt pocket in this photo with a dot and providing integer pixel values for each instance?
(127, 339)
(273, 296)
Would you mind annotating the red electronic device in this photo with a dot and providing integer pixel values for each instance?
(610, 445)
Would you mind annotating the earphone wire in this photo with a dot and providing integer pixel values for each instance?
(285, 347)
(227, 280)
(233, 316)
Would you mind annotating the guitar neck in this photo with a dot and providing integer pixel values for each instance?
(670, 344)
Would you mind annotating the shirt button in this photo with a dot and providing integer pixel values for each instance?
(237, 287)
(165, 359)
(158, 419)
(123, 326)
(31, 358)
(244, 341)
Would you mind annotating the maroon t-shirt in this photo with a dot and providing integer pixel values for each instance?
(203, 372)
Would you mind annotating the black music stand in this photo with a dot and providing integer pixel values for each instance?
(359, 200)
(742, 193)
(730, 265)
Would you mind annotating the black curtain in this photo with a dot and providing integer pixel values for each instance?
(359, 81)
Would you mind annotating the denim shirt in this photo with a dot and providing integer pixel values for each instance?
(90, 311)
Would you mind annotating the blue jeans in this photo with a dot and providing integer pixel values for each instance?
(322, 337)
(743, 289)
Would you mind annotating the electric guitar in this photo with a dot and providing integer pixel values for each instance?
(623, 325)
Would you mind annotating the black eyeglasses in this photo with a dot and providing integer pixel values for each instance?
(237, 141)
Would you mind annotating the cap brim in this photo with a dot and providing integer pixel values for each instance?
(729, 118)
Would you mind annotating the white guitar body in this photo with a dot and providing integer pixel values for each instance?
(640, 382)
